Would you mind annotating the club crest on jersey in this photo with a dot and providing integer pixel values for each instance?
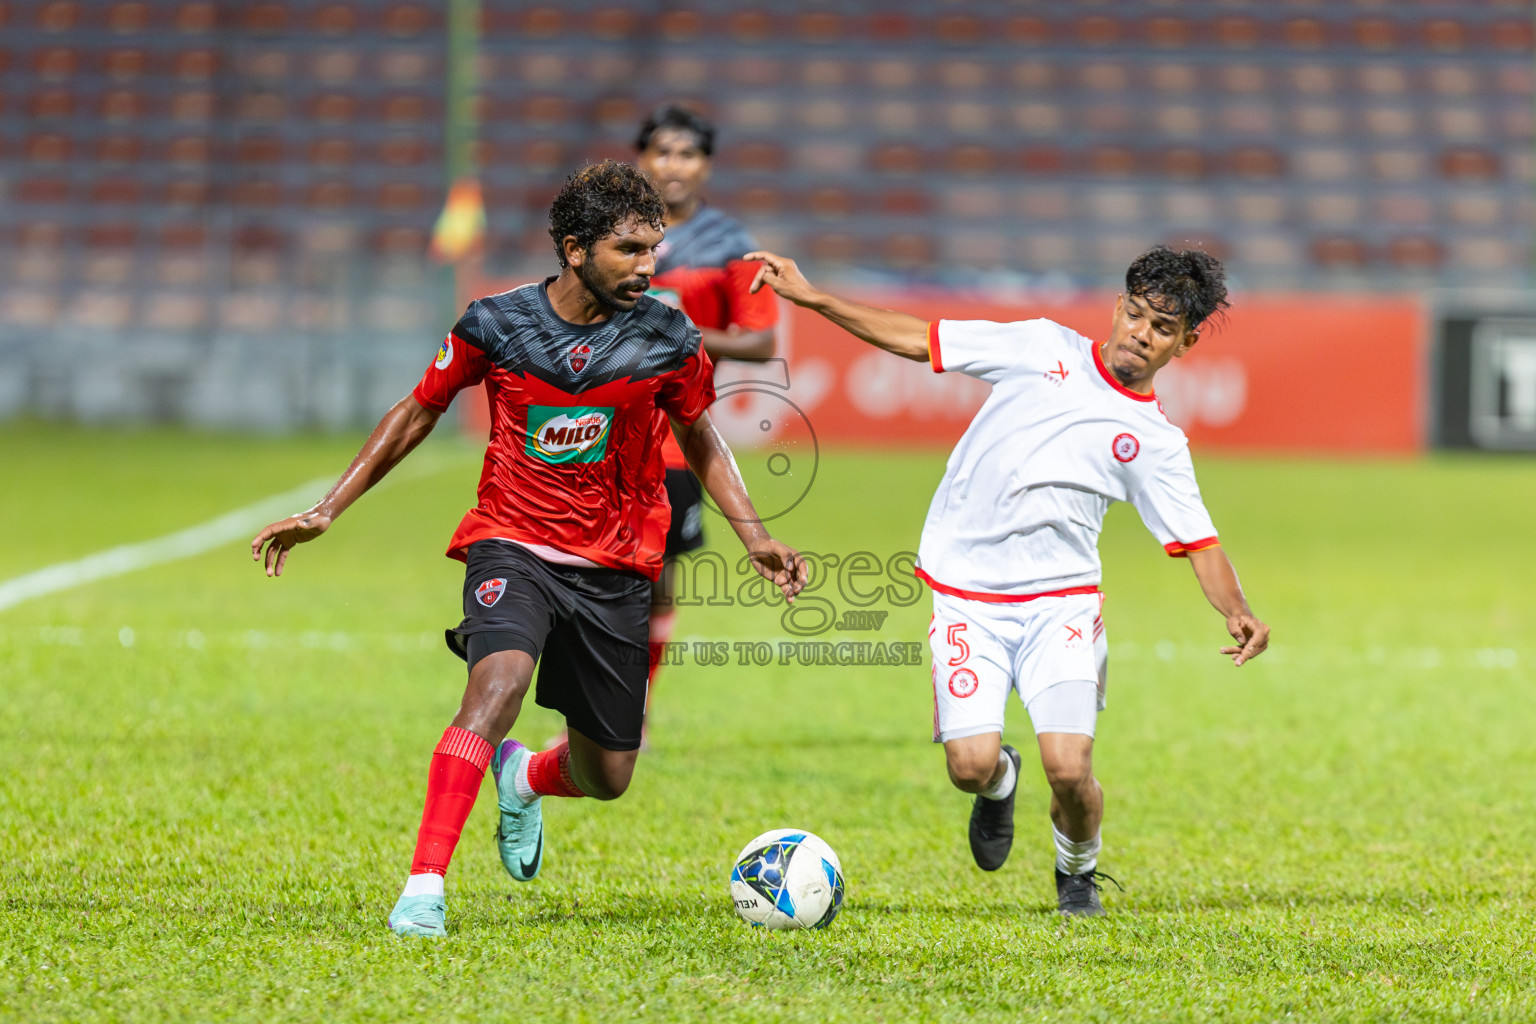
(579, 356)
(561, 434)
(962, 682)
(1126, 447)
(489, 592)
(444, 354)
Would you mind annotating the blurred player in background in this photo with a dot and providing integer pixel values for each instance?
(584, 372)
(1010, 545)
(699, 268)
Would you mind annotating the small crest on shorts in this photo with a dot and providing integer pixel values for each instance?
(1126, 447)
(578, 356)
(962, 682)
(489, 592)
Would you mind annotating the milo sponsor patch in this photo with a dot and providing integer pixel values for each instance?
(568, 433)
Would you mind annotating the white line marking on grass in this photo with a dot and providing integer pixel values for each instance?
(194, 540)
(240, 524)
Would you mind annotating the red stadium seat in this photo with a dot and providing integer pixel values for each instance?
(193, 106)
(58, 16)
(259, 149)
(889, 27)
(117, 191)
(197, 18)
(1184, 163)
(401, 195)
(1098, 30)
(1113, 162)
(111, 236)
(542, 156)
(125, 65)
(190, 150)
(123, 105)
(820, 28)
(52, 103)
(959, 29)
(1239, 33)
(1379, 35)
(333, 108)
(264, 18)
(1338, 252)
(897, 158)
(403, 151)
(1306, 34)
(405, 241)
(183, 236)
(1512, 36)
(195, 192)
(262, 194)
(751, 26)
(119, 149)
(55, 63)
(1445, 35)
(540, 23)
(1469, 164)
(259, 238)
(1043, 160)
(335, 151)
(907, 251)
(1169, 33)
(1027, 31)
(50, 148)
(617, 113)
(334, 20)
(51, 189)
(831, 203)
(1416, 252)
(1257, 163)
(329, 195)
(128, 18)
(833, 248)
(755, 157)
(552, 111)
(611, 23)
(757, 201)
(905, 202)
(680, 26)
(973, 160)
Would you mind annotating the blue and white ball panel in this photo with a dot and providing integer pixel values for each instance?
(787, 879)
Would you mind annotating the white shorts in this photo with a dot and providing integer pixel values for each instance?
(982, 651)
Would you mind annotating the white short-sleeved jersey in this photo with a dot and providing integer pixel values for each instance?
(1022, 502)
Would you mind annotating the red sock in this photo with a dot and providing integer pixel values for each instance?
(549, 772)
(453, 782)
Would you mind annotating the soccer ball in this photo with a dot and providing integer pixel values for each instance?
(785, 879)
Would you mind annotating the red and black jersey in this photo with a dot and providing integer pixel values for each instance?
(574, 461)
(701, 270)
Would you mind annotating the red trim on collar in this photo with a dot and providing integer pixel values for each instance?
(1098, 361)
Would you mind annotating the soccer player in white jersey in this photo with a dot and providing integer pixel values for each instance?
(1010, 545)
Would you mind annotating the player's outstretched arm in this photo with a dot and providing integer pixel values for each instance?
(901, 333)
(715, 466)
(401, 429)
(737, 342)
(1219, 581)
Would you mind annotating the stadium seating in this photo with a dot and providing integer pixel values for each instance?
(294, 147)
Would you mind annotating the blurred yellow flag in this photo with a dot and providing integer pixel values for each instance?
(460, 228)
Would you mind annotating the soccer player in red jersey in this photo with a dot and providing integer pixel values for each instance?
(584, 372)
(699, 268)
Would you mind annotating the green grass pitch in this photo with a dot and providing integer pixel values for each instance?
(210, 781)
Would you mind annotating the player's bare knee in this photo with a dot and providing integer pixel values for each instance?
(971, 766)
(1068, 774)
(609, 778)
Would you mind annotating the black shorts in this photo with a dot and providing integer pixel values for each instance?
(587, 628)
(686, 495)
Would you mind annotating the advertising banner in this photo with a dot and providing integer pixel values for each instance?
(1485, 382)
(1282, 373)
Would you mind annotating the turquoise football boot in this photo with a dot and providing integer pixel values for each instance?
(422, 916)
(520, 833)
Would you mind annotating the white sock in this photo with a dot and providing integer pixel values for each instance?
(1003, 788)
(1074, 858)
(520, 783)
(424, 885)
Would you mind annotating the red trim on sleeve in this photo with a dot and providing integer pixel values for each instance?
(1098, 361)
(978, 595)
(1176, 549)
(934, 355)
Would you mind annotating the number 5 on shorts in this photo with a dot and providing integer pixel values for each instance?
(958, 642)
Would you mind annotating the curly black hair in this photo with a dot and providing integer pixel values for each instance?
(595, 200)
(680, 119)
(1189, 284)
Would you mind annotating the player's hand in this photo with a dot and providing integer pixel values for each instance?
(780, 565)
(781, 274)
(1252, 638)
(281, 536)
